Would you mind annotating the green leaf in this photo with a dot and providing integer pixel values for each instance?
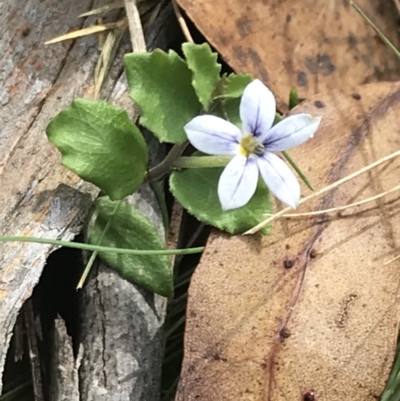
(293, 98)
(196, 190)
(228, 109)
(102, 145)
(203, 64)
(232, 111)
(161, 85)
(234, 85)
(227, 105)
(130, 229)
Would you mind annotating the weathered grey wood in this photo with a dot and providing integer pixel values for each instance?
(122, 331)
(38, 197)
(64, 383)
(120, 355)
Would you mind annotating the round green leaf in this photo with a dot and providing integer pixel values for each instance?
(130, 229)
(102, 145)
(196, 190)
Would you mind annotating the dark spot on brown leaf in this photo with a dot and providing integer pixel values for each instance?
(309, 396)
(240, 54)
(321, 64)
(243, 26)
(243, 55)
(222, 38)
(302, 79)
(264, 75)
(318, 104)
(284, 334)
(352, 41)
(288, 18)
(218, 357)
(255, 58)
(313, 254)
(288, 263)
(356, 96)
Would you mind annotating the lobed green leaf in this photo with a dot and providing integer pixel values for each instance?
(203, 64)
(234, 85)
(161, 85)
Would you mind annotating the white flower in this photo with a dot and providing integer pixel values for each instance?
(253, 146)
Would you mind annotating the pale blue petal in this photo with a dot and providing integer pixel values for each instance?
(213, 135)
(290, 132)
(279, 179)
(238, 182)
(257, 109)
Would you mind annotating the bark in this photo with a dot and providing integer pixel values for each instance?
(119, 357)
(38, 197)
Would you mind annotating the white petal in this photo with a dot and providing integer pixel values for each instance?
(257, 108)
(291, 131)
(238, 182)
(213, 135)
(279, 179)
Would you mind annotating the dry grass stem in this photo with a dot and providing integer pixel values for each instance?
(323, 190)
(182, 22)
(340, 208)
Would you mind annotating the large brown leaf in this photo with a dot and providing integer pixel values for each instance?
(310, 309)
(313, 45)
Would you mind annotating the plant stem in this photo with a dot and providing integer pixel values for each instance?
(202, 162)
(89, 247)
(298, 171)
(375, 28)
(163, 168)
(93, 256)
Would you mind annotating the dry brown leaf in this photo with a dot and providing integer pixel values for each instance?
(310, 309)
(313, 45)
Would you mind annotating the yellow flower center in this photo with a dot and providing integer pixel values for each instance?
(249, 144)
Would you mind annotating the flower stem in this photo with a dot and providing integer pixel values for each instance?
(298, 171)
(202, 162)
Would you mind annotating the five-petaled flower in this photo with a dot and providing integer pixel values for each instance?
(253, 147)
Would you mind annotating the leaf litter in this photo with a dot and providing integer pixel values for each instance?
(326, 323)
(369, 342)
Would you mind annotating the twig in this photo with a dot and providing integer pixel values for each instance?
(323, 190)
(182, 22)
(135, 26)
